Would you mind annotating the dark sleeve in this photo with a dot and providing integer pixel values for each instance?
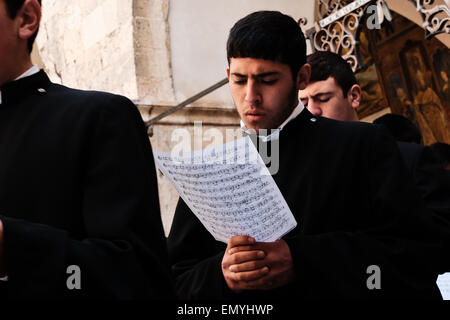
(195, 257)
(433, 183)
(398, 237)
(123, 251)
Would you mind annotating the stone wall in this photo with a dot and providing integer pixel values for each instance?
(152, 52)
(89, 44)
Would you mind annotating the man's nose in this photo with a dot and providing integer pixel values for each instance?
(252, 95)
(314, 108)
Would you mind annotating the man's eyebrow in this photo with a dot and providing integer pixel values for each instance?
(266, 74)
(259, 75)
(238, 75)
(320, 94)
(317, 95)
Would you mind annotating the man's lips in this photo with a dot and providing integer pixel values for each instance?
(254, 116)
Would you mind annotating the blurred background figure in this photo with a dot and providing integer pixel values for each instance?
(401, 128)
(442, 151)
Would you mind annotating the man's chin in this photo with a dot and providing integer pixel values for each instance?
(252, 126)
(260, 129)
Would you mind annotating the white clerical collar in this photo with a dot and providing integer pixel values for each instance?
(276, 132)
(33, 70)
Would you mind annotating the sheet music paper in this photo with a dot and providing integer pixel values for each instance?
(443, 283)
(230, 190)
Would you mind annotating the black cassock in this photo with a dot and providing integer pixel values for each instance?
(431, 179)
(78, 188)
(355, 206)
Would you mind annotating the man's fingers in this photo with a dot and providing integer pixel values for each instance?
(240, 241)
(248, 266)
(245, 256)
(239, 249)
(249, 275)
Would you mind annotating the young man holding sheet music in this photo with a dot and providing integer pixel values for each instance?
(345, 183)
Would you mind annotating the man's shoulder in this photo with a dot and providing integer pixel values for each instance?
(353, 129)
(87, 100)
(91, 96)
(325, 131)
(346, 125)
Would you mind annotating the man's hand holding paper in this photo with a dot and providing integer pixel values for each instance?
(251, 265)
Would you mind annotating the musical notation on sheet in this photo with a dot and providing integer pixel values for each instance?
(230, 190)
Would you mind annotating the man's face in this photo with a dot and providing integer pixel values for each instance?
(8, 43)
(263, 91)
(325, 98)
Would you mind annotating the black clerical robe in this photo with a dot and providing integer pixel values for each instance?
(78, 188)
(355, 206)
(430, 178)
(433, 183)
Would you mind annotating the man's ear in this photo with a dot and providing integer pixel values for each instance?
(354, 96)
(303, 76)
(28, 19)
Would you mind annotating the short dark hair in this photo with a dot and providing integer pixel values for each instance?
(325, 64)
(401, 128)
(268, 35)
(12, 8)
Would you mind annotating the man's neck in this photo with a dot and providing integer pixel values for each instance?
(29, 72)
(17, 70)
(27, 65)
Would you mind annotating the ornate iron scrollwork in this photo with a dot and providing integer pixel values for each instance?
(436, 19)
(340, 20)
(328, 7)
(339, 28)
(342, 37)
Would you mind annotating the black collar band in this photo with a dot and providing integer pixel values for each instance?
(14, 91)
